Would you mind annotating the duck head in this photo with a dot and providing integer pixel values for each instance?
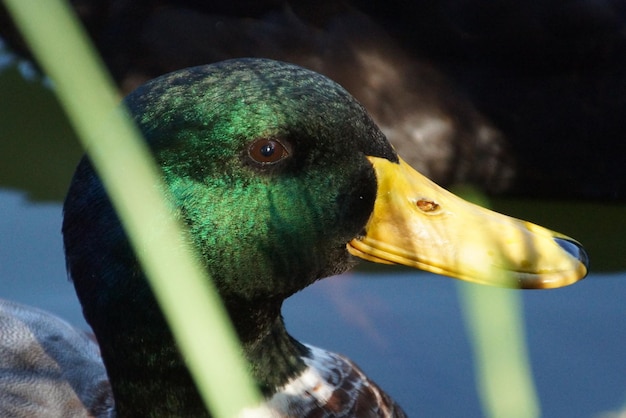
(282, 179)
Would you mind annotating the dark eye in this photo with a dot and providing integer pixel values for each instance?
(267, 151)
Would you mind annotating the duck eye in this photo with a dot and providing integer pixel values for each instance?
(267, 151)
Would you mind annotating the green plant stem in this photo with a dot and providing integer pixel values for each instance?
(122, 160)
(494, 320)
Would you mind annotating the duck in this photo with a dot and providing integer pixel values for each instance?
(49, 368)
(282, 179)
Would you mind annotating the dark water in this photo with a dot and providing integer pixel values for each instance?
(405, 330)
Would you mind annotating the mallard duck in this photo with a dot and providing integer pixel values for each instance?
(282, 179)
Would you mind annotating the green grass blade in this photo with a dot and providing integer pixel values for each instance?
(190, 302)
(495, 323)
(494, 320)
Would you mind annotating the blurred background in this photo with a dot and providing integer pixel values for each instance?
(525, 102)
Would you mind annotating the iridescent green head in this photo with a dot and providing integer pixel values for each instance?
(266, 163)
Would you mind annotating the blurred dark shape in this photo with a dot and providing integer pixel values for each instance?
(462, 88)
(551, 75)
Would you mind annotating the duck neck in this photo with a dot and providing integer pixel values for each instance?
(147, 374)
(149, 377)
(273, 355)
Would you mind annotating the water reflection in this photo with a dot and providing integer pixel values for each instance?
(32, 265)
(38, 149)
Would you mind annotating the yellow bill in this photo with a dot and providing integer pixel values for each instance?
(419, 224)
